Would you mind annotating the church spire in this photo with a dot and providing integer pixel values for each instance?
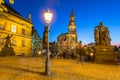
(72, 24)
(72, 16)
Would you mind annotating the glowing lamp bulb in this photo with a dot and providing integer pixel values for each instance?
(48, 16)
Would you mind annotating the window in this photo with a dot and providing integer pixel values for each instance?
(13, 29)
(2, 26)
(23, 31)
(1, 41)
(23, 43)
(13, 42)
(35, 36)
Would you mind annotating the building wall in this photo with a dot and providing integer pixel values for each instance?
(68, 42)
(36, 44)
(21, 39)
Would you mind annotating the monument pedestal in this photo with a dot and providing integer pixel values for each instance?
(105, 54)
(7, 51)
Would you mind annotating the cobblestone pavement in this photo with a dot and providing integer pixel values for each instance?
(32, 68)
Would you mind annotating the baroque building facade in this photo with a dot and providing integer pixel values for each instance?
(36, 43)
(68, 42)
(12, 23)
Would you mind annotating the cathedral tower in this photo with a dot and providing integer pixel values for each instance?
(72, 27)
(67, 43)
(72, 24)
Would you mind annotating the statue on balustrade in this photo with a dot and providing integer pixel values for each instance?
(11, 1)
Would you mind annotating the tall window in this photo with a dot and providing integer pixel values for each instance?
(13, 29)
(2, 26)
(23, 43)
(1, 41)
(35, 36)
(23, 31)
(13, 42)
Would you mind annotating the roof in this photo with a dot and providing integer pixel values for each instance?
(34, 31)
(10, 9)
(13, 11)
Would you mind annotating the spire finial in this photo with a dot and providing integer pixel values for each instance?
(72, 12)
(72, 16)
(101, 23)
(30, 17)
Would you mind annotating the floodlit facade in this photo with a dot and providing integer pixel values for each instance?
(12, 23)
(36, 43)
(68, 41)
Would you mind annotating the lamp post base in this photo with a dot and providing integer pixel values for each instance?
(47, 67)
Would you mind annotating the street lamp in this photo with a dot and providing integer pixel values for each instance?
(47, 18)
(91, 57)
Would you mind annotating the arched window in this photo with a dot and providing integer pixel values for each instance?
(23, 43)
(13, 29)
(23, 31)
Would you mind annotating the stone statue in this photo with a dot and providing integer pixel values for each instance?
(96, 33)
(11, 1)
(7, 50)
(1, 1)
(101, 35)
(107, 36)
(8, 41)
(2, 7)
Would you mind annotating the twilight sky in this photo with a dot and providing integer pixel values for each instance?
(89, 13)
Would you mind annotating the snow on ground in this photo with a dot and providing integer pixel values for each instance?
(32, 68)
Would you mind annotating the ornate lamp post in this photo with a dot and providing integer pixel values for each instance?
(47, 18)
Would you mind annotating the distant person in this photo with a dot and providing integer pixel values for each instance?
(83, 59)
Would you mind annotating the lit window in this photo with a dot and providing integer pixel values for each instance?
(1, 41)
(13, 29)
(2, 26)
(13, 42)
(23, 43)
(23, 31)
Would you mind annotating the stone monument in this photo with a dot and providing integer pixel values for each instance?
(7, 50)
(104, 52)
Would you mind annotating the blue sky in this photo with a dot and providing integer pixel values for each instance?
(89, 13)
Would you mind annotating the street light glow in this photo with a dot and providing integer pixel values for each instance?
(48, 16)
(91, 54)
